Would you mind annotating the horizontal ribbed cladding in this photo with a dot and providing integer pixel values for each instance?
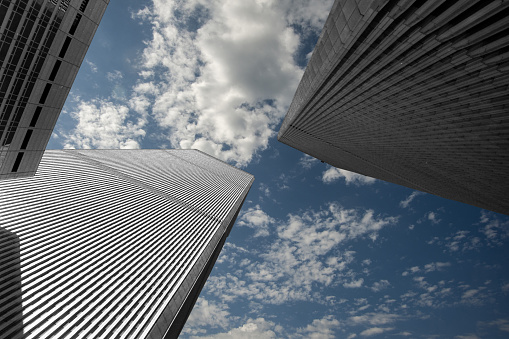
(418, 88)
(102, 253)
(203, 188)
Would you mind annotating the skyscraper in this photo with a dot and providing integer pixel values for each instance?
(42, 45)
(411, 92)
(112, 243)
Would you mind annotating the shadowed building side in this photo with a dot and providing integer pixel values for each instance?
(411, 92)
(42, 46)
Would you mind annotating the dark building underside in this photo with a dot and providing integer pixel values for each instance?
(411, 92)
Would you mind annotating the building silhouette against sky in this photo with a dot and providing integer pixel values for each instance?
(112, 243)
(414, 93)
(42, 45)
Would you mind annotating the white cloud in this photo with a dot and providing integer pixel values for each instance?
(409, 199)
(258, 328)
(501, 324)
(257, 219)
(374, 319)
(467, 336)
(505, 288)
(436, 266)
(265, 189)
(320, 328)
(375, 330)
(115, 75)
(224, 87)
(432, 216)
(334, 174)
(216, 76)
(493, 229)
(307, 161)
(93, 67)
(380, 285)
(102, 124)
(354, 283)
(206, 313)
(304, 254)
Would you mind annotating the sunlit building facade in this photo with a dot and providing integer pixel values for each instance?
(112, 243)
(411, 92)
(42, 45)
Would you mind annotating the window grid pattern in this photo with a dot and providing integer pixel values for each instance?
(27, 33)
(108, 241)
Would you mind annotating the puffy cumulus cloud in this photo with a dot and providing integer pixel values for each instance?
(222, 73)
(334, 174)
(320, 328)
(304, 254)
(375, 330)
(410, 198)
(207, 314)
(103, 124)
(257, 219)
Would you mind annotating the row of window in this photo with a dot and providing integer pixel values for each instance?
(48, 41)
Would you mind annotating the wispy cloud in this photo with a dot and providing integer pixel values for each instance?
(93, 67)
(307, 161)
(410, 198)
(375, 330)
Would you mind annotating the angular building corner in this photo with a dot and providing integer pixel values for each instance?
(411, 92)
(42, 46)
(112, 243)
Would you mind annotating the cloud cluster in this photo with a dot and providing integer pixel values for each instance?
(304, 254)
(104, 124)
(215, 75)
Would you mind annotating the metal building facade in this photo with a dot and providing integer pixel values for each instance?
(411, 92)
(42, 45)
(112, 243)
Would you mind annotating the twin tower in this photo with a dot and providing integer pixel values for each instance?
(119, 243)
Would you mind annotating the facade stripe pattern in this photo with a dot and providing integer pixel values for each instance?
(103, 249)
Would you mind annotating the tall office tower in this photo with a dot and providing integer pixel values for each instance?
(42, 45)
(411, 92)
(112, 243)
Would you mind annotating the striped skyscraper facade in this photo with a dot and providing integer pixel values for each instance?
(411, 92)
(42, 46)
(112, 243)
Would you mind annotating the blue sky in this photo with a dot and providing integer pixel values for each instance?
(317, 252)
